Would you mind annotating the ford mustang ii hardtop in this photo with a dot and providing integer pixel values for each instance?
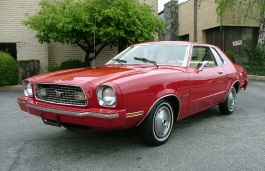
(148, 85)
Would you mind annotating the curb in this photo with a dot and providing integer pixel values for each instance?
(11, 88)
(20, 87)
(257, 78)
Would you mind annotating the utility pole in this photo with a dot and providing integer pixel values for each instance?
(195, 20)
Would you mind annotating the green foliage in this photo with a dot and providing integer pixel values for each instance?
(256, 61)
(231, 56)
(110, 21)
(8, 70)
(70, 64)
(28, 68)
(243, 8)
(52, 68)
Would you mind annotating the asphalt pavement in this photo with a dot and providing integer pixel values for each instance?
(205, 141)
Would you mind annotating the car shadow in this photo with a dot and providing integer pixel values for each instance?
(198, 118)
(62, 145)
(118, 138)
(75, 145)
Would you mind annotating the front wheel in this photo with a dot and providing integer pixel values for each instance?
(228, 106)
(157, 126)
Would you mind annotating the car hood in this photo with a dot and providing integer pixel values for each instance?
(93, 75)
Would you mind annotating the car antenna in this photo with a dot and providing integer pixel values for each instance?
(93, 63)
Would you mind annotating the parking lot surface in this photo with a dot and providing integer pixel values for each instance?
(206, 141)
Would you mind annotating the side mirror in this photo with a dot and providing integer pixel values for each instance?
(202, 64)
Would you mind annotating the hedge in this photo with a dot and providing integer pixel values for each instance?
(28, 68)
(8, 70)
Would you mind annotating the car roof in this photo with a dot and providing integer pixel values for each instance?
(173, 43)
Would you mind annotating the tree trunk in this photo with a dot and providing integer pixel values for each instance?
(261, 40)
(87, 60)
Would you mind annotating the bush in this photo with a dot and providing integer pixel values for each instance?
(53, 68)
(231, 56)
(70, 64)
(28, 68)
(256, 61)
(8, 70)
(255, 70)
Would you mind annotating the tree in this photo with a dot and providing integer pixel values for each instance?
(94, 23)
(247, 9)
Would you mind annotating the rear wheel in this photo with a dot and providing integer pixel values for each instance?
(228, 106)
(157, 126)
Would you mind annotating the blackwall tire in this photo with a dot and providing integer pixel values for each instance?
(228, 106)
(157, 126)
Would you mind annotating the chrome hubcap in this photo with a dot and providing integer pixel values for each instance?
(162, 122)
(231, 100)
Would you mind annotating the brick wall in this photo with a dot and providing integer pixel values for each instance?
(12, 12)
(234, 17)
(185, 19)
(61, 52)
(207, 18)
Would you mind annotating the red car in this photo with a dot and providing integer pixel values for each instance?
(148, 85)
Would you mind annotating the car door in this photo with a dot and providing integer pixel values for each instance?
(208, 85)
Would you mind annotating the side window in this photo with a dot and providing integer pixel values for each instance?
(218, 58)
(200, 54)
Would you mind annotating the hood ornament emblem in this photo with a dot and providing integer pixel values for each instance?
(58, 93)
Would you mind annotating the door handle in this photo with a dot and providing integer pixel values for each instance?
(220, 72)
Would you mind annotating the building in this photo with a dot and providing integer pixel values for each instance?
(22, 44)
(204, 26)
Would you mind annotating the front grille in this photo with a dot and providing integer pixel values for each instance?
(60, 94)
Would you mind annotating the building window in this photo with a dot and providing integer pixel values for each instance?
(225, 36)
(10, 48)
(185, 37)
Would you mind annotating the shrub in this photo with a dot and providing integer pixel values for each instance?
(70, 64)
(231, 56)
(53, 68)
(28, 68)
(256, 61)
(8, 70)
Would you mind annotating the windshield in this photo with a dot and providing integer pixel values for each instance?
(158, 54)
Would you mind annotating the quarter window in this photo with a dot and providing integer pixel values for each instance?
(218, 58)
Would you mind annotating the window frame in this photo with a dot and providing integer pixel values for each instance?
(208, 49)
(217, 56)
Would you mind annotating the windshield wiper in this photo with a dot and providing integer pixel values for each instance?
(120, 61)
(145, 60)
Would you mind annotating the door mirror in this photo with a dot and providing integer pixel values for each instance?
(202, 64)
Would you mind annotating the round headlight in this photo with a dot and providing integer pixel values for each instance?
(80, 96)
(28, 90)
(41, 92)
(108, 96)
